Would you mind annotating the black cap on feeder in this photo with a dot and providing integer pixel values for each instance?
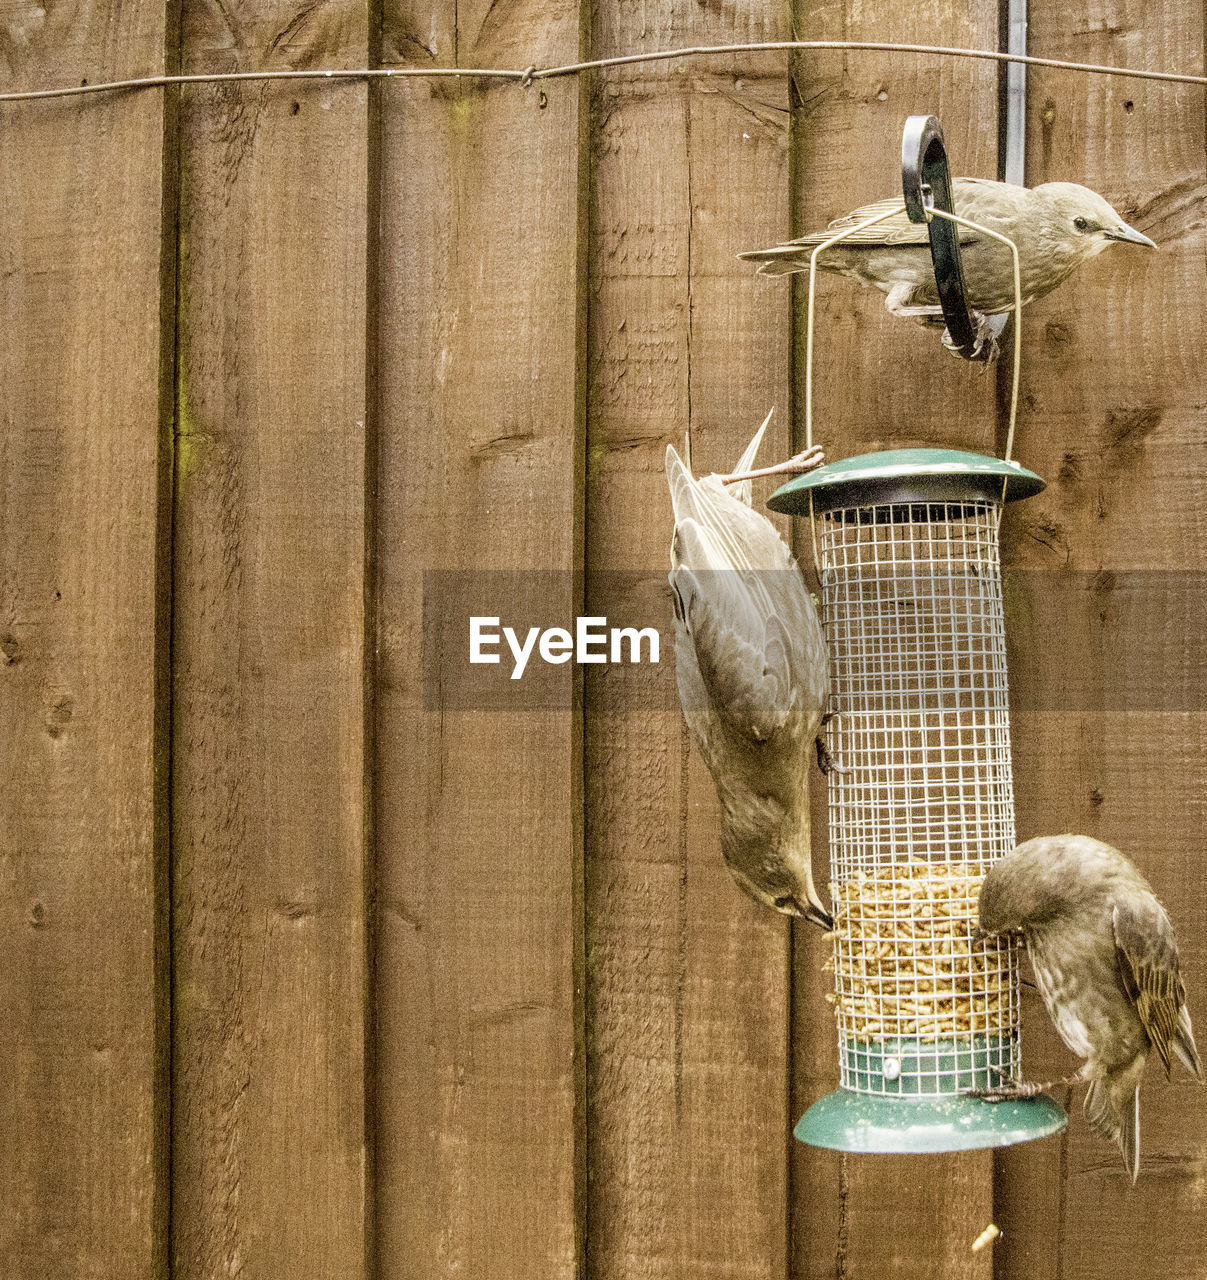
(908, 559)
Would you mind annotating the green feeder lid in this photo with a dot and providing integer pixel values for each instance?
(848, 1121)
(905, 475)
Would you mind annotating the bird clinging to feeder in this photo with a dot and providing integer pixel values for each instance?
(1055, 227)
(1106, 963)
(753, 676)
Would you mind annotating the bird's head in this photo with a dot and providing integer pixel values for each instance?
(1022, 889)
(1085, 222)
(1048, 877)
(780, 885)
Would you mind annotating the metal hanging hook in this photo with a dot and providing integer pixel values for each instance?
(927, 187)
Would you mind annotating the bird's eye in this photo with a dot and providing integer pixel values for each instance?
(1081, 224)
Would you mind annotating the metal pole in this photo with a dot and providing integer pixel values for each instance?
(1016, 93)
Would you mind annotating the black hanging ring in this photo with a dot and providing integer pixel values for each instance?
(926, 184)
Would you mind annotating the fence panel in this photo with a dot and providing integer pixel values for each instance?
(480, 1102)
(269, 827)
(688, 978)
(83, 479)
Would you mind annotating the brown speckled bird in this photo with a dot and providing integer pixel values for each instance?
(1106, 963)
(1055, 227)
(753, 679)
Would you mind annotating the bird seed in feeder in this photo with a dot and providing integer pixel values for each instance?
(905, 960)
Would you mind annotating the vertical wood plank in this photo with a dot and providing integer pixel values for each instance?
(480, 1093)
(882, 383)
(84, 458)
(1113, 419)
(268, 649)
(687, 978)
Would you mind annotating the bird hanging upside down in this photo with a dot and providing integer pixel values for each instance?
(1055, 228)
(1106, 963)
(753, 677)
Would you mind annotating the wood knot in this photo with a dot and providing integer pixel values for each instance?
(59, 715)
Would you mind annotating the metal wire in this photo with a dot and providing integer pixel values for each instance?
(527, 75)
(871, 222)
(826, 244)
(912, 609)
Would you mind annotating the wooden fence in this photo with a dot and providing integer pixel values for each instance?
(300, 979)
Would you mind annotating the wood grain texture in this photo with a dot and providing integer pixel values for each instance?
(1113, 418)
(269, 1152)
(480, 1097)
(687, 978)
(881, 383)
(84, 456)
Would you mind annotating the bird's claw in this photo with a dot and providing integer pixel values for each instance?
(985, 348)
(825, 759)
(1008, 1091)
(1014, 1090)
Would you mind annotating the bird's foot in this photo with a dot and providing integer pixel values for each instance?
(1014, 1090)
(1009, 1091)
(985, 348)
(808, 460)
(900, 302)
(825, 759)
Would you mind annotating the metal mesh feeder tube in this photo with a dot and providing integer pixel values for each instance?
(912, 607)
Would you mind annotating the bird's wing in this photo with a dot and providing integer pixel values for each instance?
(1148, 965)
(743, 603)
(970, 195)
(895, 230)
(741, 644)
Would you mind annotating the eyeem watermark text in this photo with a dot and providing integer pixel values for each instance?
(592, 641)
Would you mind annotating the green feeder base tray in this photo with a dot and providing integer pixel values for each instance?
(848, 1121)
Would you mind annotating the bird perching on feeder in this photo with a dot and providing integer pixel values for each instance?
(1055, 228)
(906, 546)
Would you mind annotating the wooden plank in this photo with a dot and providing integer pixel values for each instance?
(480, 1095)
(84, 458)
(269, 1150)
(882, 383)
(1113, 418)
(687, 977)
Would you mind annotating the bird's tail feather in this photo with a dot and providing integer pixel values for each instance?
(713, 545)
(783, 267)
(744, 490)
(1184, 1046)
(1113, 1111)
(778, 266)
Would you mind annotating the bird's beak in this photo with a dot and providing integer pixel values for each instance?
(1128, 235)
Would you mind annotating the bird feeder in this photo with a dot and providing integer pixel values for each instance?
(912, 610)
(906, 547)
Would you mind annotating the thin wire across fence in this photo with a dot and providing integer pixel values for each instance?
(529, 75)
